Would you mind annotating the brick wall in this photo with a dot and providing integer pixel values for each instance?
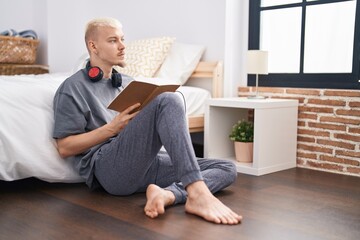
(328, 127)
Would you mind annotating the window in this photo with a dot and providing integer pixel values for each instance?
(311, 43)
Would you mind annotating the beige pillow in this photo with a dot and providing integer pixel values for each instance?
(144, 57)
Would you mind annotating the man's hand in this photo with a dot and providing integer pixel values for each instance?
(122, 119)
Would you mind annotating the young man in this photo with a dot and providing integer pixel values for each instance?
(121, 151)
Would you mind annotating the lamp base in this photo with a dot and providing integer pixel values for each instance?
(256, 97)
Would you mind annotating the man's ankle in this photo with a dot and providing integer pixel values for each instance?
(197, 188)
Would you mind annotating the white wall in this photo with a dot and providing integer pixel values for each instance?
(60, 23)
(26, 14)
(236, 45)
(60, 26)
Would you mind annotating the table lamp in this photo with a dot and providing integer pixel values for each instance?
(257, 63)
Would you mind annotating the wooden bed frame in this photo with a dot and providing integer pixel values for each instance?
(214, 72)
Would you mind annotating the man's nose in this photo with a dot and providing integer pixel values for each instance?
(121, 45)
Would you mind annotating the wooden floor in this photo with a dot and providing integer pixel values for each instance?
(291, 204)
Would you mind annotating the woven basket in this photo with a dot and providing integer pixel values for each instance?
(15, 69)
(18, 50)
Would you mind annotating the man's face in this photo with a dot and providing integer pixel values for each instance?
(110, 46)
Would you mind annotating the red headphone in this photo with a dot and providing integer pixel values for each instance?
(95, 74)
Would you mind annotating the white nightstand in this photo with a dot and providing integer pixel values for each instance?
(275, 132)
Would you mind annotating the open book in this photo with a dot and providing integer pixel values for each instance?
(139, 92)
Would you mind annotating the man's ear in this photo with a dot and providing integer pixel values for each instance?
(92, 47)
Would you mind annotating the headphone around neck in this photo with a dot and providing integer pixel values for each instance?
(95, 74)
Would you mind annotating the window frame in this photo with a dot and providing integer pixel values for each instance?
(304, 80)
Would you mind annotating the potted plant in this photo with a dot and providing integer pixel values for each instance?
(242, 134)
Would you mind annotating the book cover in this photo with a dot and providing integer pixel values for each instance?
(139, 92)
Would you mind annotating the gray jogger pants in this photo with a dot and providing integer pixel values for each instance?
(132, 160)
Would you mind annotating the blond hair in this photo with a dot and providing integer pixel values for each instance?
(93, 25)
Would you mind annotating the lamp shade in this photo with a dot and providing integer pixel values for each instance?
(257, 62)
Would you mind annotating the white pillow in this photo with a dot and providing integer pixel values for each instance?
(144, 57)
(181, 62)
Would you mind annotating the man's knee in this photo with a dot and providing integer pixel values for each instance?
(171, 99)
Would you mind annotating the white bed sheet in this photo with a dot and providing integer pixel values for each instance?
(27, 148)
(26, 120)
(194, 97)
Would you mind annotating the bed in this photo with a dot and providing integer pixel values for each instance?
(212, 71)
(26, 121)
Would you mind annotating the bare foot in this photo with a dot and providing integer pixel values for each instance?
(157, 200)
(202, 203)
